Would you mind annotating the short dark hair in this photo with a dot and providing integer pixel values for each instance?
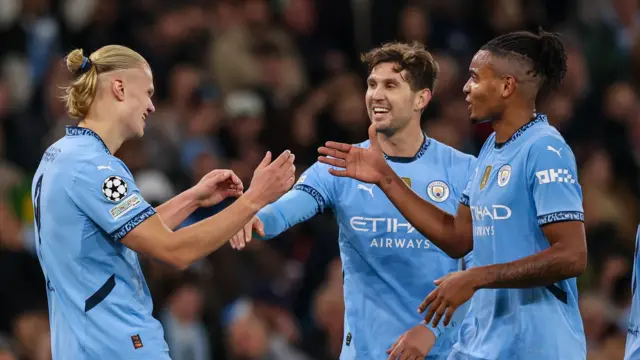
(545, 50)
(421, 68)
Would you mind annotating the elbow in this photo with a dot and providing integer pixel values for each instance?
(174, 260)
(571, 262)
(577, 262)
(173, 257)
(180, 265)
(461, 247)
(458, 253)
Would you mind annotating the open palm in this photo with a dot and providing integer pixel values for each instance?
(367, 165)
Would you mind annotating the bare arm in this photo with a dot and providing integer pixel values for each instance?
(187, 245)
(214, 187)
(181, 248)
(565, 258)
(452, 234)
(177, 209)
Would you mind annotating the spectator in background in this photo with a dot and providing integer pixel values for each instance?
(185, 332)
(249, 338)
(6, 352)
(234, 78)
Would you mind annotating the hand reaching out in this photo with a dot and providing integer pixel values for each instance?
(271, 179)
(239, 240)
(364, 164)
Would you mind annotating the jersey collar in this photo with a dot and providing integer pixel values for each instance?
(404, 159)
(82, 131)
(538, 119)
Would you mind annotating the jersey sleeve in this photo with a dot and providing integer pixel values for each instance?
(465, 179)
(104, 190)
(319, 183)
(553, 181)
(312, 193)
(473, 171)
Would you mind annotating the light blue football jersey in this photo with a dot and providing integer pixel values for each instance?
(85, 201)
(632, 348)
(389, 267)
(519, 187)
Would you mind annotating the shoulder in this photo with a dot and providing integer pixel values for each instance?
(546, 142)
(97, 166)
(545, 138)
(456, 158)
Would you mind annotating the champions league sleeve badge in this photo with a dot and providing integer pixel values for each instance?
(114, 188)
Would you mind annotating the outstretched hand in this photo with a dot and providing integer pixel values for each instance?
(364, 164)
(452, 290)
(244, 236)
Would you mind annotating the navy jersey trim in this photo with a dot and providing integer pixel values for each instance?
(101, 294)
(314, 193)
(558, 293)
(464, 200)
(126, 228)
(560, 216)
(403, 159)
(538, 119)
(81, 131)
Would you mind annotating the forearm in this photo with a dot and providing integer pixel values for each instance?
(544, 268)
(196, 241)
(177, 209)
(293, 208)
(428, 219)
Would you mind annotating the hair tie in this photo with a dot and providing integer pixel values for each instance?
(86, 65)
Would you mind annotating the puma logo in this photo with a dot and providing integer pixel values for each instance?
(103, 167)
(367, 189)
(551, 148)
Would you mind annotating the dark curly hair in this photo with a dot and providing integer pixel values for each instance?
(545, 50)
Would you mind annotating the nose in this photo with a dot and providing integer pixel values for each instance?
(378, 94)
(466, 89)
(151, 108)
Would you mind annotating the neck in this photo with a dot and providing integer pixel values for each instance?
(110, 134)
(510, 121)
(403, 143)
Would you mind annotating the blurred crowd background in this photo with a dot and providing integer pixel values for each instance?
(237, 77)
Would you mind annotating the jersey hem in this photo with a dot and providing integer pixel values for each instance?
(464, 200)
(560, 216)
(126, 228)
(314, 193)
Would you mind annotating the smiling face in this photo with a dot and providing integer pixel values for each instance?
(133, 89)
(391, 103)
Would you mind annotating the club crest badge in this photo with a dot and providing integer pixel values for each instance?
(504, 174)
(438, 191)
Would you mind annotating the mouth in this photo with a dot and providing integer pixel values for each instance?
(469, 103)
(379, 111)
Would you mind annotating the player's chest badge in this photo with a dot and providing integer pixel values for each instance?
(504, 174)
(438, 191)
(485, 176)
